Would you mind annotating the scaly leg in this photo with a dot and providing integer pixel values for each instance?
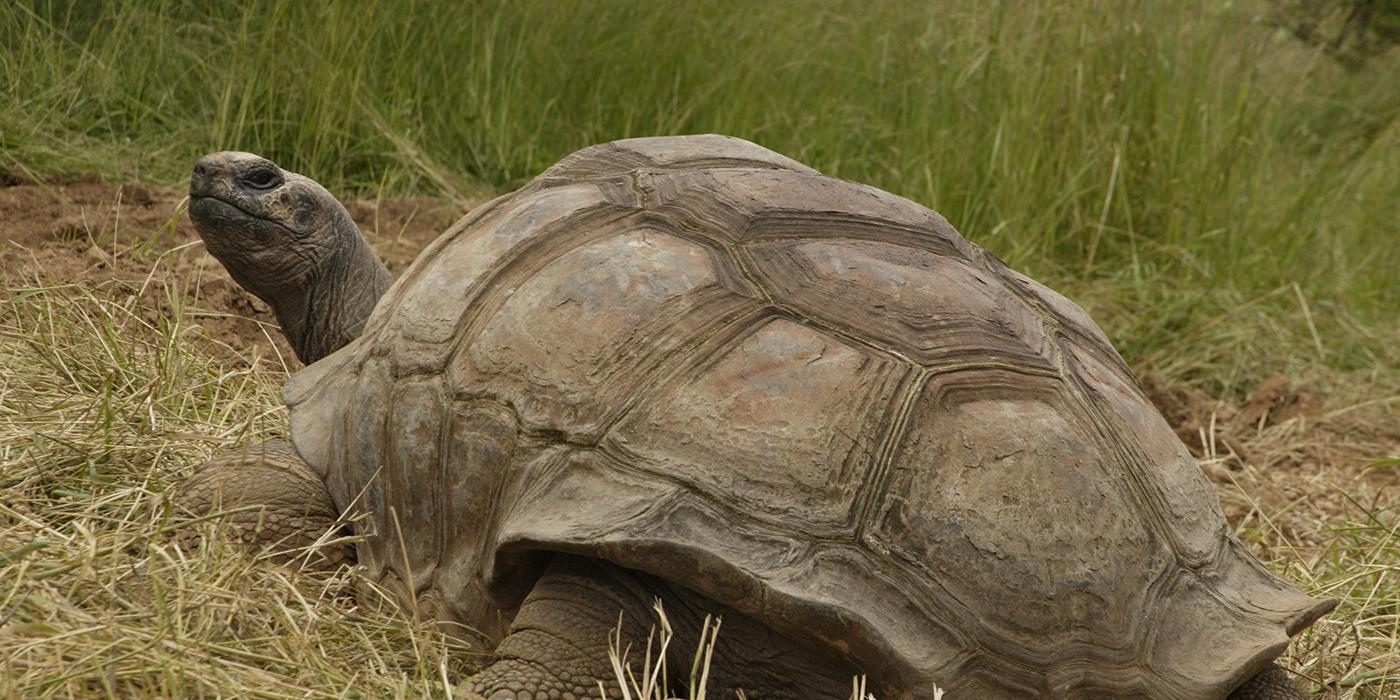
(293, 508)
(558, 645)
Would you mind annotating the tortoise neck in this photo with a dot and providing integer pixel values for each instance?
(331, 311)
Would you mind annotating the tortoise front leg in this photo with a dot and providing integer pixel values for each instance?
(290, 507)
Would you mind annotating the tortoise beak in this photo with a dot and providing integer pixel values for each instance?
(209, 170)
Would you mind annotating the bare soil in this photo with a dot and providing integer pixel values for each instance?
(87, 232)
(1289, 458)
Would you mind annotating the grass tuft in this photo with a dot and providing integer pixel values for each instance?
(652, 683)
(1352, 652)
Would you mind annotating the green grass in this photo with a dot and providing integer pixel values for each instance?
(1169, 164)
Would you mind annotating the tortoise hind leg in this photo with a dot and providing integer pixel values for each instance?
(278, 503)
(559, 642)
(1272, 683)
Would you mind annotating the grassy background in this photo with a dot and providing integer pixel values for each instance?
(1169, 164)
(1222, 198)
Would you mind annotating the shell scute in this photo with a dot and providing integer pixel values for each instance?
(1208, 665)
(480, 447)
(1003, 496)
(787, 396)
(1180, 498)
(357, 483)
(570, 342)
(416, 417)
(687, 152)
(437, 289)
(739, 205)
(933, 309)
(709, 151)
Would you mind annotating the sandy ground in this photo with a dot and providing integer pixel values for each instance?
(1290, 459)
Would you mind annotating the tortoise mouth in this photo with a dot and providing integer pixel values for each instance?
(212, 209)
(212, 214)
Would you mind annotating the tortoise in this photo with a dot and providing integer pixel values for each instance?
(692, 370)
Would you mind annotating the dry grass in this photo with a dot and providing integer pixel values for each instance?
(652, 680)
(109, 394)
(104, 406)
(1329, 524)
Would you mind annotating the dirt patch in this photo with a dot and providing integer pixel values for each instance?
(399, 229)
(89, 232)
(1193, 414)
(1275, 401)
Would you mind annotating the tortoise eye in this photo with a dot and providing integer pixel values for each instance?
(262, 179)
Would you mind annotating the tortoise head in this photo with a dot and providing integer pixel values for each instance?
(270, 227)
(286, 239)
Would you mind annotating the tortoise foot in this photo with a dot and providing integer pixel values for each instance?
(270, 500)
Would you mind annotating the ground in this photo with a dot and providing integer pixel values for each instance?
(88, 232)
(1302, 465)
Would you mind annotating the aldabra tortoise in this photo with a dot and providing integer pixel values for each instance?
(694, 370)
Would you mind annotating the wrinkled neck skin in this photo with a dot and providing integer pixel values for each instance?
(330, 310)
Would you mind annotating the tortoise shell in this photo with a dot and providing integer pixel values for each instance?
(808, 399)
